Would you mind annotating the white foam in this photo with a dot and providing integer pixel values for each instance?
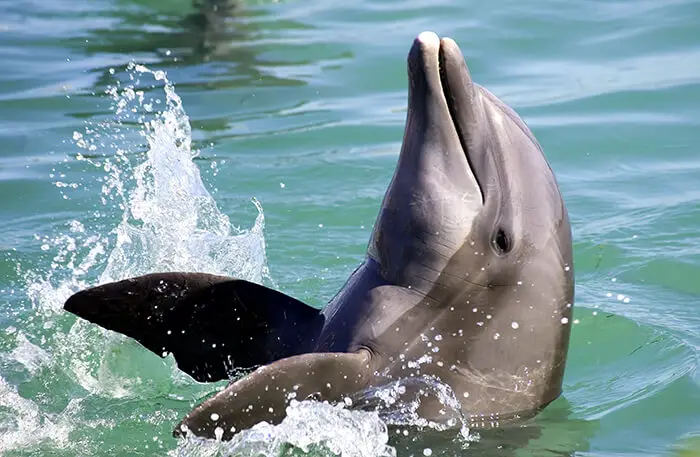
(23, 424)
(308, 425)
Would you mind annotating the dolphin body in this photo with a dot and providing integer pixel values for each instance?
(469, 269)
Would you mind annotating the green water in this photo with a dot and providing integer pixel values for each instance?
(301, 105)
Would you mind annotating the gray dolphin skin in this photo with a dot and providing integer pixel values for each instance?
(468, 279)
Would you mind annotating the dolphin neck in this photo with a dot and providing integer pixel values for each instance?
(351, 316)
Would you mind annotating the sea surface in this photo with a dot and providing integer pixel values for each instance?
(257, 140)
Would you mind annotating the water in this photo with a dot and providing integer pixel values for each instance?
(267, 159)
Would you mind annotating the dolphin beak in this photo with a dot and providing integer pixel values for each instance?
(441, 90)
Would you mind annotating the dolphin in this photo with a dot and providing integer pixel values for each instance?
(468, 270)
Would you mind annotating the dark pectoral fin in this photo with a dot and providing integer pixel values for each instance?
(209, 323)
(264, 394)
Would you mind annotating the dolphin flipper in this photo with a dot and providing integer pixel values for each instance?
(263, 394)
(209, 323)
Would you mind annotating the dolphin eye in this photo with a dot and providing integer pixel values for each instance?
(501, 242)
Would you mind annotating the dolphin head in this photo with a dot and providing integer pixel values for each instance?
(474, 223)
(470, 173)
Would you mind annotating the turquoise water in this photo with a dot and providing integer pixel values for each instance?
(300, 105)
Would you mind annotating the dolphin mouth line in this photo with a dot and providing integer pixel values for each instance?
(450, 101)
(449, 98)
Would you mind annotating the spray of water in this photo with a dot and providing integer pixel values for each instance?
(166, 221)
(309, 427)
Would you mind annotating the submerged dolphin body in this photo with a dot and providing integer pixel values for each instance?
(469, 264)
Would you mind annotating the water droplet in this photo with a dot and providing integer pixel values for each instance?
(427, 452)
(514, 325)
(214, 417)
(564, 320)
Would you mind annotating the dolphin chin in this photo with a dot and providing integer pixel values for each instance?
(471, 252)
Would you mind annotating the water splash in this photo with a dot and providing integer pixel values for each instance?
(398, 403)
(321, 428)
(168, 222)
(22, 423)
(171, 221)
(356, 427)
(154, 213)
